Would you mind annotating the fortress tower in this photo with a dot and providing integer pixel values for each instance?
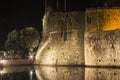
(63, 39)
(90, 38)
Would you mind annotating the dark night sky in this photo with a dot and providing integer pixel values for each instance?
(17, 14)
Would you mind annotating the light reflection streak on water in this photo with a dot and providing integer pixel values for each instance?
(31, 75)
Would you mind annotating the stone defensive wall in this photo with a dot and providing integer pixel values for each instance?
(77, 38)
(63, 39)
(102, 37)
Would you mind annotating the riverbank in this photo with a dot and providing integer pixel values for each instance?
(14, 62)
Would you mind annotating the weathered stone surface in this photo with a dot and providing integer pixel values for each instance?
(102, 36)
(65, 42)
(102, 48)
(102, 19)
(63, 38)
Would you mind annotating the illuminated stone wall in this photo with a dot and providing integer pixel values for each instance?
(63, 38)
(64, 42)
(102, 48)
(102, 19)
(102, 37)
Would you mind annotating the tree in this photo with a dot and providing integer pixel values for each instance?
(12, 42)
(29, 38)
(23, 40)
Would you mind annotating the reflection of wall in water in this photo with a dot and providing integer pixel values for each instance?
(60, 73)
(76, 73)
(102, 74)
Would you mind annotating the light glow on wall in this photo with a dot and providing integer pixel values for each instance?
(102, 19)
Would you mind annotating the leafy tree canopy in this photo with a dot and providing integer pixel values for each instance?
(23, 40)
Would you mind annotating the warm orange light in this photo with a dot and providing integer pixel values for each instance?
(103, 19)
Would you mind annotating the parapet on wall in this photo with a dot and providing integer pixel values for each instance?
(63, 38)
(102, 37)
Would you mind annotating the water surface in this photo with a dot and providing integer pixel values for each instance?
(58, 73)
